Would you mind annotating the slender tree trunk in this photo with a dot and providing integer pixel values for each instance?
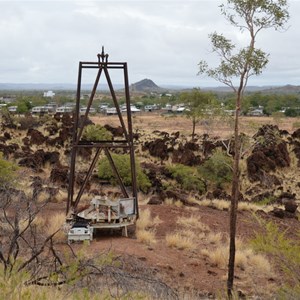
(194, 129)
(234, 196)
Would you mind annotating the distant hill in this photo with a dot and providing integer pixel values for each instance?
(146, 85)
(286, 89)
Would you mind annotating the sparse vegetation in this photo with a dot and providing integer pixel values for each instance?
(286, 253)
(96, 133)
(192, 222)
(183, 224)
(7, 172)
(187, 177)
(145, 227)
(217, 169)
(122, 163)
(181, 240)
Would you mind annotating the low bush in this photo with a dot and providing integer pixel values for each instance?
(96, 133)
(187, 177)
(7, 172)
(122, 162)
(217, 170)
(181, 240)
(285, 251)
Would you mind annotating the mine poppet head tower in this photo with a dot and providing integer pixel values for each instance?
(103, 212)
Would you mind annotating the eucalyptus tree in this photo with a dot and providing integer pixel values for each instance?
(201, 106)
(236, 66)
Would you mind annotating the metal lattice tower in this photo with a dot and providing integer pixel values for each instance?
(102, 66)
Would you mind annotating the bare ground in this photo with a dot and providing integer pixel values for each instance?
(189, 272)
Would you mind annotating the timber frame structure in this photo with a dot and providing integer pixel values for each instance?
(126, 142)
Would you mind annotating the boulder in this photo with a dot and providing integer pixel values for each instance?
(155, 200)
(290, 206)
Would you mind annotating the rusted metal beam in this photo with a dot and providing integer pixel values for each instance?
(103, 66)
(89, 104)
(87, 177)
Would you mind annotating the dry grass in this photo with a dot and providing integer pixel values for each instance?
(247, 206)
(56, 223)
(261, 264)
(214, 237)
(170, 201)
(143, 199)
(192, 222)
(60, 197)
(145, 220)
(145, 227)
(180, 240)
(39, 222)
(155, 121)
(216, 203)
(146, 236)
(218, 257)
(42, 197)
(245, 259)
(242, 206)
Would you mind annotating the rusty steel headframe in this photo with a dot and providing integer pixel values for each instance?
(103, 67)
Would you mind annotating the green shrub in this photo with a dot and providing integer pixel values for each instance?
(285, 251)
(187, 177)
(122, 162)
(96, 133)
(7, 172)
(217, 169)
(292, 112)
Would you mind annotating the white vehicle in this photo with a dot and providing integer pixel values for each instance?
(12, 108)
(148, 108)
(103, 107)
(91, 111)
(167, 108)
(133, 108)
(80, 232)
(64, 109)
(180, 108)
(111, 111)
(39, 109)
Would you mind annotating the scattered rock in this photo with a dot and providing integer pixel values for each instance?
(157, 148)
(36, 137)
(155, 200)
(290, 206)
(116, 131)
(296, 134)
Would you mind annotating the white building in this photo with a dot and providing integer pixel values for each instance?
(49, 94)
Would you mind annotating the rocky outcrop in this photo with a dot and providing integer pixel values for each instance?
(269, 153)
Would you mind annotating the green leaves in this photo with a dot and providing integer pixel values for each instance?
(217, 169)
(122, 162)
(251, 16)
(96, 133)
(187, 177)
(284, 248)
(7, 172)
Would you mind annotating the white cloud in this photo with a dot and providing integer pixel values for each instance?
(43, 41)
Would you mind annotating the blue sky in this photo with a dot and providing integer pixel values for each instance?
(43, 41)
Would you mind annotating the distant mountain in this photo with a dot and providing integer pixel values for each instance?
(146, 85)
(286, 89)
